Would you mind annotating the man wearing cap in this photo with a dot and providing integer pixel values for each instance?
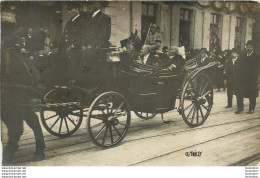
(70, 44)
(246, 78)
(229, 75)
(70, 39)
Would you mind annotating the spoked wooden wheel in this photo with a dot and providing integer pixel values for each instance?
(145, 115)
(108, 119)
(60, 116)
(197, 100)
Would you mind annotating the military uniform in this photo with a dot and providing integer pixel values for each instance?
(153, 39)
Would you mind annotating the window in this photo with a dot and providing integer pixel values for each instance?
(186, 14)
(216, 18)
(215, 32)
(239, 33)
(185, 29)
(149, 9)
(149, 15)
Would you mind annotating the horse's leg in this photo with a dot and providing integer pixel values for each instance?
(14, 126)
(33, 122)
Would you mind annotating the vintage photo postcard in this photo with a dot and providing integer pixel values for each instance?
(130, 83)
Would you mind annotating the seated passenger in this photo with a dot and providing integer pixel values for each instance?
(150, 57)
(176, 61)
(165, 50)
(129, 54)
(204, 59)
(145, 54)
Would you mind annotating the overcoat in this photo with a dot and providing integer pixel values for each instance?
(95, 30)
(245, 75)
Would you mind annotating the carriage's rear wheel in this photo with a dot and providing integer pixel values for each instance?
(108, 119)
(197, 100)
(145, 115)
(60, 116)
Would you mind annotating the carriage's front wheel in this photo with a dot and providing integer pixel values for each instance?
(197, 100)
(145, 115)
(60, 116)
(108, 119)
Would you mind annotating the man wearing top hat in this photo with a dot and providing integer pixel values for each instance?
(231, 64)
(246, 78)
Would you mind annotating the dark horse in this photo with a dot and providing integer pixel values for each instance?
(18, 85)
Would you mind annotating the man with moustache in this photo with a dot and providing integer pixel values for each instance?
(246, 78)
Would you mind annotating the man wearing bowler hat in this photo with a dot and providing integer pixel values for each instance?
(246, 74)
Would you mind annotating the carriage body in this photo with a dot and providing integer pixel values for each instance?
(115, 91)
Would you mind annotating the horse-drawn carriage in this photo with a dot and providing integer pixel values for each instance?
(116, 90)
(120, 89)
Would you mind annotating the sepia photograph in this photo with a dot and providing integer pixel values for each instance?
(130, 83)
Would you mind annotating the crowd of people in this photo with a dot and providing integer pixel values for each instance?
(237, 71)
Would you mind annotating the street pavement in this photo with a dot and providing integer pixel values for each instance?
(224, 139)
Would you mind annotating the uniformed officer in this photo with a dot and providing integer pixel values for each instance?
(154, 38)
(70, 39)
(70, 45)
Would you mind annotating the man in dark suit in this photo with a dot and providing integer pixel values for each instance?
(229, 76)
(94, 31)
(71, 44)
(246, 74)
(70, 39)
(95, 27)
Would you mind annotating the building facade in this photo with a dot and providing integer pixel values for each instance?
(190, 24)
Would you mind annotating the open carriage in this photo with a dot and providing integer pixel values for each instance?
(143, 89)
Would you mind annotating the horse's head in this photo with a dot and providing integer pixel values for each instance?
(134, 40)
